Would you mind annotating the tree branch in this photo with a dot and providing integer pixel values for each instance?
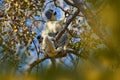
(60, 7)
(92, 21)
(61, 54)
(33, 64)
(63, 9)
(90, 16)
(47, 4)
(57, 37)
(3, 57)
(69, 3)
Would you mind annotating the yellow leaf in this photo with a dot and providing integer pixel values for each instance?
(33, 33)
(16, 4)
(27, 32)
(15, 30)
(12, 42)
(26, 0)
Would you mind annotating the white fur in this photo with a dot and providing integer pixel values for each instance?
(52, 26)
(48, 47)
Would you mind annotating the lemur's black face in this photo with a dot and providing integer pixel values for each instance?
(50, 13)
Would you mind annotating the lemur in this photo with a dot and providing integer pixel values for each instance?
(52, 27)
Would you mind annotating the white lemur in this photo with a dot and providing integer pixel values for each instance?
(49, 45)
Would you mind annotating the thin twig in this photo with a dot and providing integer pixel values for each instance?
(3, 57)
(65, 64)
(37, 53)
(64, 10)
(47, 4)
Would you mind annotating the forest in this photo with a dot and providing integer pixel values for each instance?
(92, 48)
